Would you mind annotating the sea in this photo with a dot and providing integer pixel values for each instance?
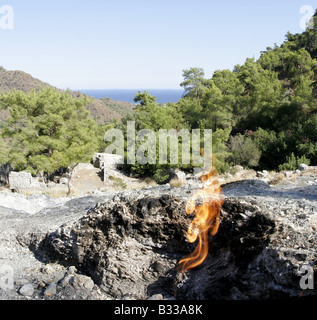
(162, 95)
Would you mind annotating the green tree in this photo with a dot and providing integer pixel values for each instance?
(216, 112)
(144, 99)
(220, 149)
(243, 151)
(191, 111)
(232, 93)
(47, 130)
(194, 82)
(151, 115)
(262, 95)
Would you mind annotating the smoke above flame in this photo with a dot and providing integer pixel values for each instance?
(206, 203)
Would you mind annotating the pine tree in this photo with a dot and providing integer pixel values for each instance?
(47, 130)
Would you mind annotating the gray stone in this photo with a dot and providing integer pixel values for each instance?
(21, 282)
(27, 290)
(67, 280)
(302, 167)
(81, 281)
(262, 174)
(23, 181)
(47, 269)
(287, 174)
(180, 175)
(50, 290)
(72, 270)
(156, 297)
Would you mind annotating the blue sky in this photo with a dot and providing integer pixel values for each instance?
(105, 44)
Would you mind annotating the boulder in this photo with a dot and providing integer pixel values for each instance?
(131, 247)
(23, 181)
(27, 290)
(124, 246)
(177, 175)
(127, 245)
(303, 167)
(262, 174)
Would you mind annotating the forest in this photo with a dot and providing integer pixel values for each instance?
(263, 114)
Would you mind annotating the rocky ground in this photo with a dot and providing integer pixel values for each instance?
(127, 244)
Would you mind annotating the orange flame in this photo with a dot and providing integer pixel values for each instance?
(206, 204)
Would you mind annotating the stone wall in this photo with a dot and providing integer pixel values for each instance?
(107, 163)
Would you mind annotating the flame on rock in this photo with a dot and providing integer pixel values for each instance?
(206, 204)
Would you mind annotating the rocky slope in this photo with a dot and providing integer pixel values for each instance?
(126, 245)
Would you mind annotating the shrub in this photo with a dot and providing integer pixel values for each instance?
(292, 162)
(118, 182)
(244, 151)
(161, 176)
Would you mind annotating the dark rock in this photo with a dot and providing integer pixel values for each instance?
(116, 242)
(131, 248)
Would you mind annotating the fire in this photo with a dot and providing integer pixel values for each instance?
(206, 204)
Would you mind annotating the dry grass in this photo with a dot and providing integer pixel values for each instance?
(59, 192)
(277, 178)
(150, 182)
(118, 183)
(309, 171)
(142, 184)
(176, 183)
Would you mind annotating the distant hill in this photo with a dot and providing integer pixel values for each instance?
(102, 110)
(18, 80)
(121, 107)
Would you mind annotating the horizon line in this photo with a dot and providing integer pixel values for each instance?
(76, 89)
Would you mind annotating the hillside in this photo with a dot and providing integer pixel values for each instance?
(121, 107)
(101, 110)
(19, 80)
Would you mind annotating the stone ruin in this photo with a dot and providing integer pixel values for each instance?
(108, 164)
